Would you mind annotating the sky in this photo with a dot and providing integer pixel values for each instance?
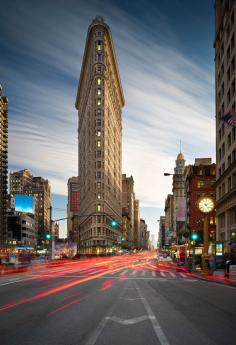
(166, 61)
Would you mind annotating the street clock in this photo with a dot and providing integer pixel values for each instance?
(206, 204)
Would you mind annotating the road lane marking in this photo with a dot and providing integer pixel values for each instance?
(182, 275)
(126, 322)
(156, 325)
(172, 275)
(133, 273)
(125, 271)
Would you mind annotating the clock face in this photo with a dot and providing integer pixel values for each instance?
(206, 204)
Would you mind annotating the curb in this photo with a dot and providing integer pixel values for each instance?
(216, 281)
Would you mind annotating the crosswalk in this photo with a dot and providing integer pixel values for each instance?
(153, 274)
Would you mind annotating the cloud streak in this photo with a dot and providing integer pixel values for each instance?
(169, 96)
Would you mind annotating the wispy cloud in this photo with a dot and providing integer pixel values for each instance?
(169, 96)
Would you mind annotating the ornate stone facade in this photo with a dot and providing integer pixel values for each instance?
(99, 103)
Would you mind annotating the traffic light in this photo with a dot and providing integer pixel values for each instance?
(197, 237)
(114, 223)
(194, 236)
(48, 236)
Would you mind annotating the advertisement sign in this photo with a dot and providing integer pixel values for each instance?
(181, 209)
(24, 203)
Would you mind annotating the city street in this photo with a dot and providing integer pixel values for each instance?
(114, 300)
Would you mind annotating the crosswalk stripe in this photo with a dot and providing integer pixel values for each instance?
(162, 274)
(133, 273)
(172, 275)
(183, 275)
(143, 273)
(153, 274)
(125, 271)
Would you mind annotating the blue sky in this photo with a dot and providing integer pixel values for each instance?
(166, 60)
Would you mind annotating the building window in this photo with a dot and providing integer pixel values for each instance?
(223, 188)
(200, 172)
(98, 133)
(99, 196)
(99, 45)
(229, 160)
(233, 133)
(229, 184)
(99, 207)
(99, 80)
(98, 143)
(98, 101)
(99, 185)
(229, 140)
(219, 154)
(223, 149)
(200, 184)
(99, 92)
(223, 168)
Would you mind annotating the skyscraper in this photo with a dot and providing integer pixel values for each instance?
(73, 208)
(225, 60)
(99, 103)
(128, 198)
(3, 165)
(179, 200)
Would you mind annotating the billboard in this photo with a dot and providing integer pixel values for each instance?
(181, 209)
(24, 203)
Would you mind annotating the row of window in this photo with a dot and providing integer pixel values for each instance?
(226, 188)
(231, 159)
(229, 29)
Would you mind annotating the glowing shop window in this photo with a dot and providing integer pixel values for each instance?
(99, 81)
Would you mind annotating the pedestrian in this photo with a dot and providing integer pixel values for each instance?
(227, 261)
(212, 264)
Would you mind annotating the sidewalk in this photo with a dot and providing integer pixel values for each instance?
(218, 276)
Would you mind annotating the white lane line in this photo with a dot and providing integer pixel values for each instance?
(162, 274)
(183, 275)
(133, 273)
(172, 275)
(16, 281)
(143, 273)
(124, 272)
(155, 324)
(153, 274)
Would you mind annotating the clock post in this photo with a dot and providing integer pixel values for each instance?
(205, 205)
(205, 245)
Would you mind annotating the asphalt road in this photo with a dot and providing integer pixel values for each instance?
(121, 300)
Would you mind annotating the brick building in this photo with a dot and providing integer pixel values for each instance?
(200, 181)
